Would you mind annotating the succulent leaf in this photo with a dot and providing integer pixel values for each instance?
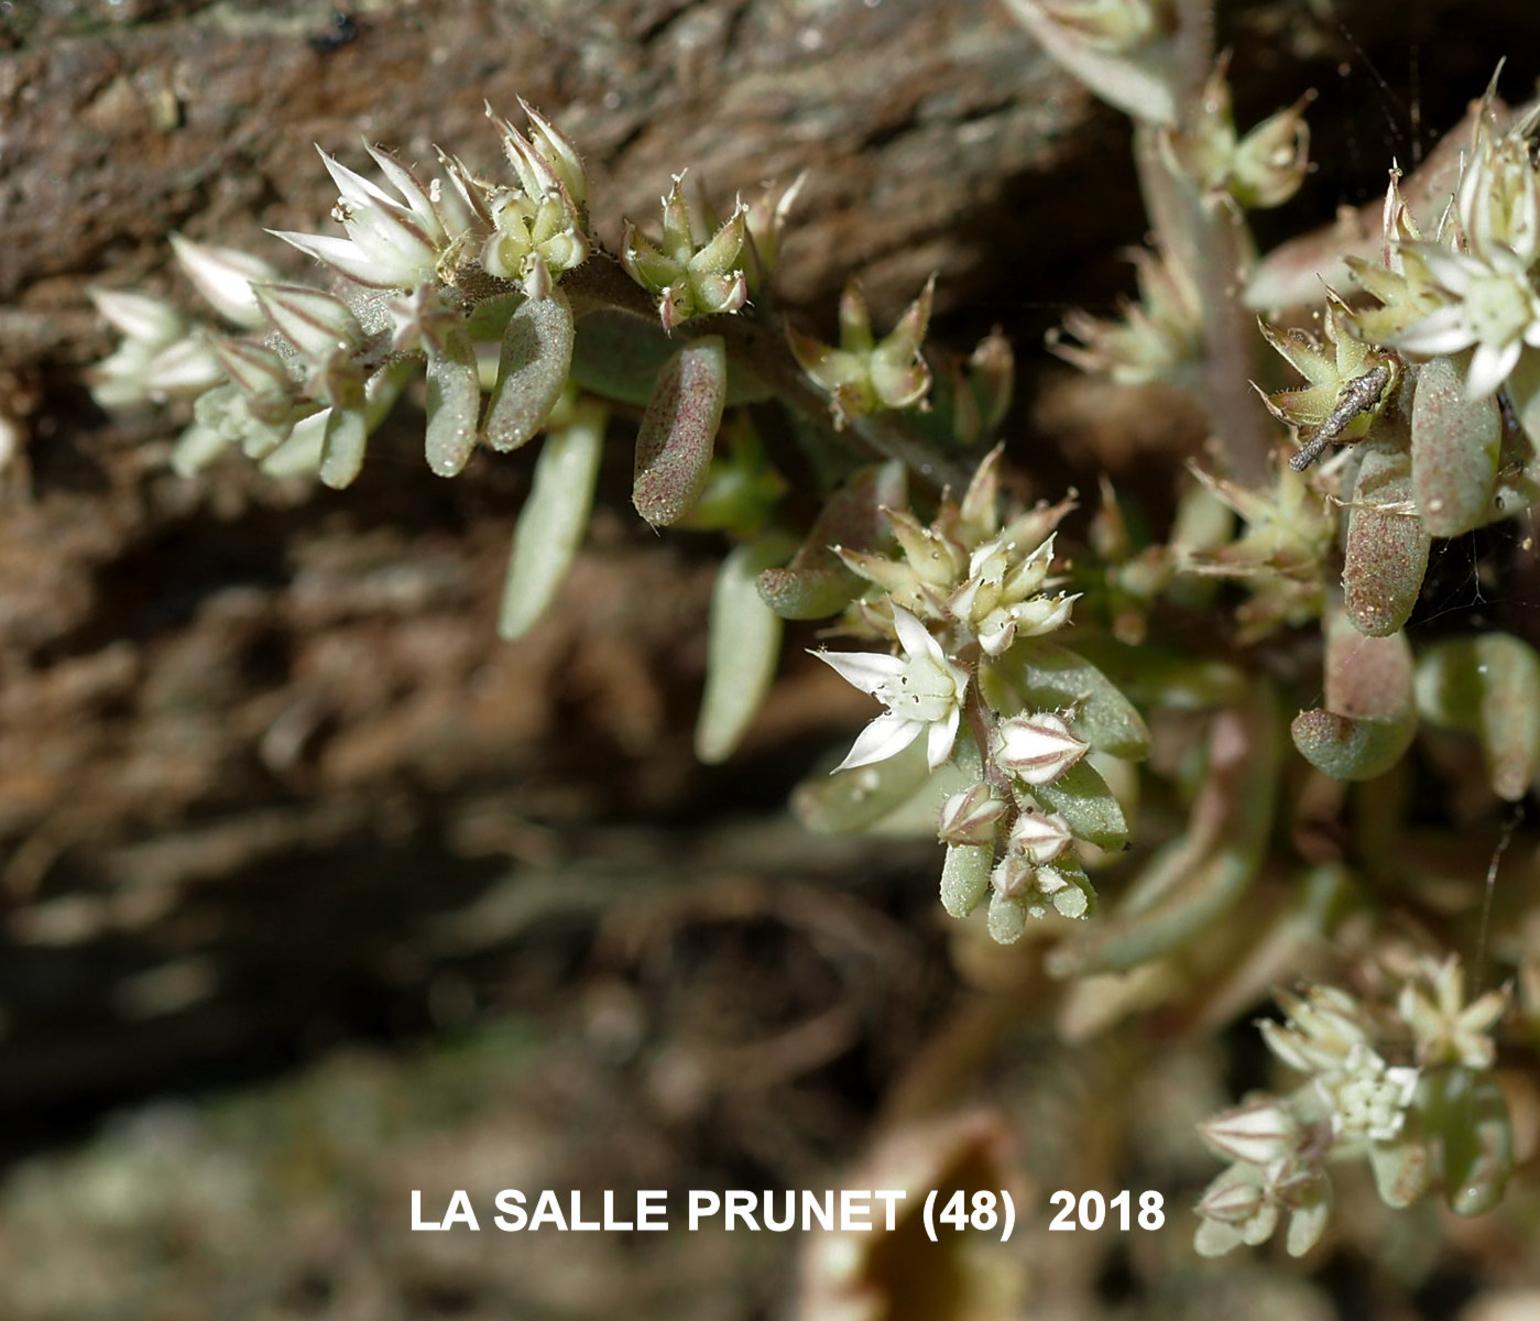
(1489, 686)
(553, 519)
(678, 431)
(536, 354)
(454, 403)
(1455, 445)
(743, 646)
(1386, 553)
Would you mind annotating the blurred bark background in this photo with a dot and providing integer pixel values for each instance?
(267, 777)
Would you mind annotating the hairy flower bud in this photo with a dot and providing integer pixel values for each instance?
(260, 375)
(1040, 836)
(862, 376)
(971, 817)
(1038, 748)
(765, 220)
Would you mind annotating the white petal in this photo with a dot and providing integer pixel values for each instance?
(391, 238)
(356, 190)
(187, 366)
(1443, 331)
(138, 316)
(866, 670)
(1489, 367)
(224, 276)
(914, 637)
(410, 187)
(342, 255)
(1450, 269)
(885, 737)
(940, 738)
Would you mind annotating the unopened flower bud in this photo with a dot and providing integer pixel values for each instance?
(1258, 1134)
(558, 153)
(1271, 161)
(1038, 748)
(1234, 1197)
(1013, 876)
(862, 376)
(970, 817)
(766, 221)
(1040, 836)
(259, 374)
(316, 323)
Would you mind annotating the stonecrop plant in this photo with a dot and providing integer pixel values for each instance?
(1026, 661)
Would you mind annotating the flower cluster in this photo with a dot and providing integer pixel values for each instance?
(865, 374)
(695, 268)
(1472, 286)
(1262, 168)
(1348, 383)
(1158, 338)
(319, 369)
(1354, 1103)
(968, 597)
(1282, 555)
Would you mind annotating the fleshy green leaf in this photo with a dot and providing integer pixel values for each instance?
(1049, 676)
(1402, 1170)
(1386, 553)
(853, 800)
(1455, 444)
(1488, 686)
(553, 519)
(454, 403)
(1467, 1112)
(345, 432)
(678, 431)
(1155, 676)
(1083, 799)
(300, 454)
(536, 355)
(1347, 749)
(1007, 919)
(1369, 718)
(618, 356)
(342, 446)
(965, 877)
(743, 647)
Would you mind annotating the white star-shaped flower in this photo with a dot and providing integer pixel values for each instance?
(922, 690)
(1496, 309)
